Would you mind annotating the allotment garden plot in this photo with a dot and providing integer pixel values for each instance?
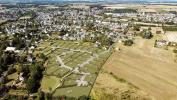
(72, 67)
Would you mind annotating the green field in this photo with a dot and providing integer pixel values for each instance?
(61, 80)
(50, 83)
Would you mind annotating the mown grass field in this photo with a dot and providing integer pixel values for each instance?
(73, 54)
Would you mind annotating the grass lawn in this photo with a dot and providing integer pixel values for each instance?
(11, 78)
(72, 91)
(49, 83)
(90, 68)
(18, 92)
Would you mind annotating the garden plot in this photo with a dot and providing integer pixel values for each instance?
(72, 67)
(49, 83)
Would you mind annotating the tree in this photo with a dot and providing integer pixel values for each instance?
(83, 98)
(49, 96)
(149, 29)
(6, 59)
(175, 50)
(146, 34)
(3, 46)
(18, 42)
(163, 27)
(23, 58)
(23, 69)
(128, 42)
(41, 95)
(30, 85)
(63, 32)
(42, 56)
(136, 28)
(90, 27)
(36, 71)
(33, 82)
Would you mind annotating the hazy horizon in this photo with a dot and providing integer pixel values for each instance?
(89, 0)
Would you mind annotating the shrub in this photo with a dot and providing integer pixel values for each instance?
(128, 42)
(136, 28)
(146, 34)
(175, 50)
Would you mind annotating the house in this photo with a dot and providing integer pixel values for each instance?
(10, 49)
(21, 77)
(30, 58)
(161, 43)
(32, 47)
(97, 44)
(130, 33)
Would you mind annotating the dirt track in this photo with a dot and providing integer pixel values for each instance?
(152, 70)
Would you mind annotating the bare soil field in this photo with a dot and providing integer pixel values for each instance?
(151, 69)
(151, 24)
(80, 6)
(172, 36)
(142, 7)
(122, 6)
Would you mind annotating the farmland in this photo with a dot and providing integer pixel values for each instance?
(151, 69)
(71, 66)
(172, 36)
(143, 8)
(116, 88)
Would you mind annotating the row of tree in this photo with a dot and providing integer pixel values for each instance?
(98, 37)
